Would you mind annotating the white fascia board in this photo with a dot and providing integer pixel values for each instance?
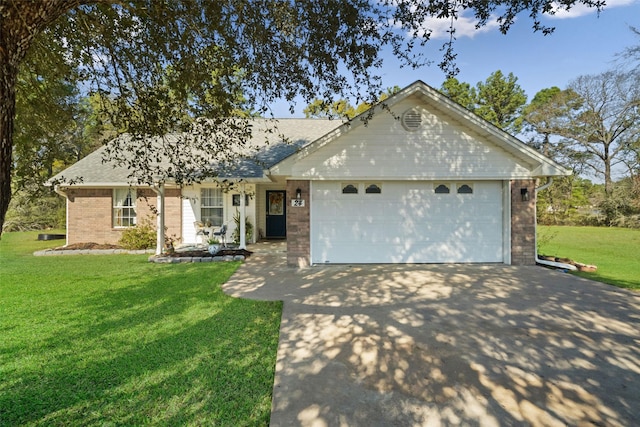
(114, 184)
(413, 178)
(546, 169)
(102, 185)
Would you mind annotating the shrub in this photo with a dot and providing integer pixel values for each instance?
(247, 225)
(42, 213)
(142, 236)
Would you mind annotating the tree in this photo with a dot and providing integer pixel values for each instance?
(337, 109)
(460, 92)
(498, 99)
(632, 52)
(603, 124)
(540, 117)
(342, 108)
(153, 58)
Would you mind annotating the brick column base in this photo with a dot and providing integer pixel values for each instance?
(298, 226)
(523, 223)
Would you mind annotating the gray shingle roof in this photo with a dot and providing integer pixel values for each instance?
(266, 144)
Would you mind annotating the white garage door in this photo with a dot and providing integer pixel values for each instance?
(406, 222)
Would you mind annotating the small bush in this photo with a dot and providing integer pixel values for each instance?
(42, 213)
(628, 221)
(142, 236)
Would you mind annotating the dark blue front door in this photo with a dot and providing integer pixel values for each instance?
(276, 215)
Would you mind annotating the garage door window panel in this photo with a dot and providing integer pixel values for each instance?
(465, 189)
(373, 189)
(442, 189)
(350, 189)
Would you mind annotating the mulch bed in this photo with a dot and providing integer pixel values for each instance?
(204, 253)
(178, 254)
(85, 246)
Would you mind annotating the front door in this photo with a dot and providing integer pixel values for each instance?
(276, 215)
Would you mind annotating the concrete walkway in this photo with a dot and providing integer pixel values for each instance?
(440, 345)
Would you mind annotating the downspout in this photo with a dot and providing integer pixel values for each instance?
(60, 191)
(544, 261)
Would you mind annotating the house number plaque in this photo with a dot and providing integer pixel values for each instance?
(297, 203)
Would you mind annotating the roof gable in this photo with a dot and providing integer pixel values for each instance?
(451, 142)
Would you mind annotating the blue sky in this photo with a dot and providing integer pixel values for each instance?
(582, 43)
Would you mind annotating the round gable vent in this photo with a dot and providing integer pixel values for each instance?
(412, 119)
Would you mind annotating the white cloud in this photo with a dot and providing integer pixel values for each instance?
(465, 26)
(582, 10)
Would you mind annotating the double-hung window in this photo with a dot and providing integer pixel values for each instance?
(211, 206)
(124, 207)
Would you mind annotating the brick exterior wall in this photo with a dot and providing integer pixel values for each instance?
(90, 214)
(523, 223)
(298, 226)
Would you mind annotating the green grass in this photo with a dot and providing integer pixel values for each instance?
(115, 340)
(615, 251)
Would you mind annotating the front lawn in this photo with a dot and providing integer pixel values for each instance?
(116, 340)
(616, 251)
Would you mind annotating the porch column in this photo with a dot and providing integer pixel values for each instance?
(243, 217)
(160, 219)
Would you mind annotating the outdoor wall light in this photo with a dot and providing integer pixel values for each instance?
(524, 193)
(298, 193)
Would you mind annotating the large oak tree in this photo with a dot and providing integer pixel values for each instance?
(165, 62)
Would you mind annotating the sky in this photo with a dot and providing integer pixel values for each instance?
(583, 43)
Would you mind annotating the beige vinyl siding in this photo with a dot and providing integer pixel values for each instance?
(441, 148)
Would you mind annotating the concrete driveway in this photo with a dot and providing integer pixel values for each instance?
(440, 345)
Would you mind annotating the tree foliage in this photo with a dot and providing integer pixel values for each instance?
(165, 63)
(499, 99)
(597, 119)
(461, 92)
(593, 127)
(342, 108)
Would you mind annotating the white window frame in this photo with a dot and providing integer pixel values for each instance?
(212, 201)
(123, 211)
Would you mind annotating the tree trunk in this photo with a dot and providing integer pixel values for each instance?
(8, 76)
(20, 23)
(608, 182)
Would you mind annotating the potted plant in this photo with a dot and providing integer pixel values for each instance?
(248, 228)
(214, 246)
